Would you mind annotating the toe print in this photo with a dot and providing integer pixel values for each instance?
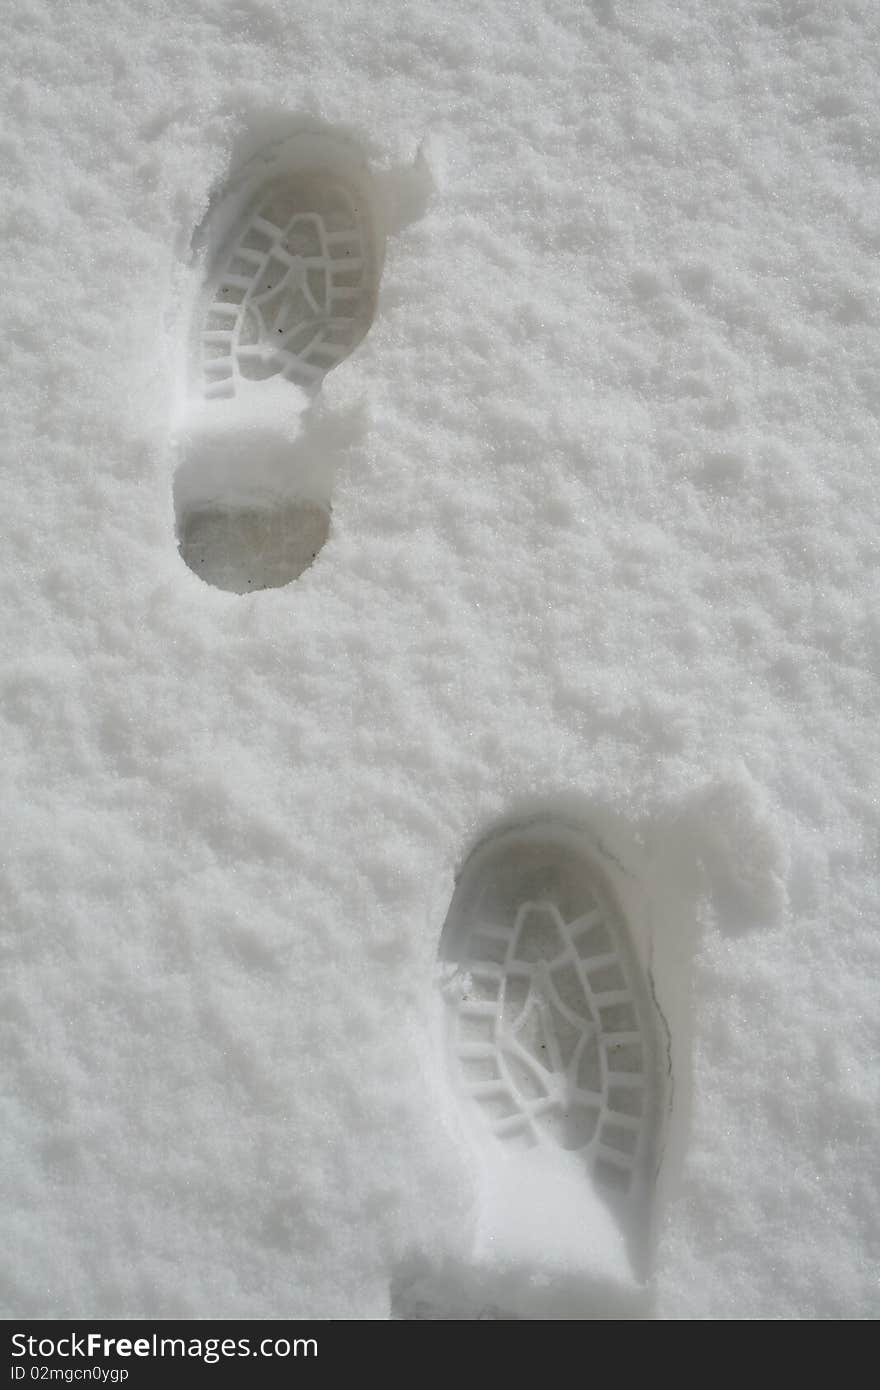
(296, 292)
(553, 1035)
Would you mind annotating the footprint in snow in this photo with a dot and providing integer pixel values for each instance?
(292, 253)
(555, 1045)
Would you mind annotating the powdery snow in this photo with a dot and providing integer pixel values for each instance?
(603, 544)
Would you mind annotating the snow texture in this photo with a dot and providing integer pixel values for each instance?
(603, 539)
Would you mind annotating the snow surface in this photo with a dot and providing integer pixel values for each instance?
(604, 539)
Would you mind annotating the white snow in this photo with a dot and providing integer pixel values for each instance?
(604, 540)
